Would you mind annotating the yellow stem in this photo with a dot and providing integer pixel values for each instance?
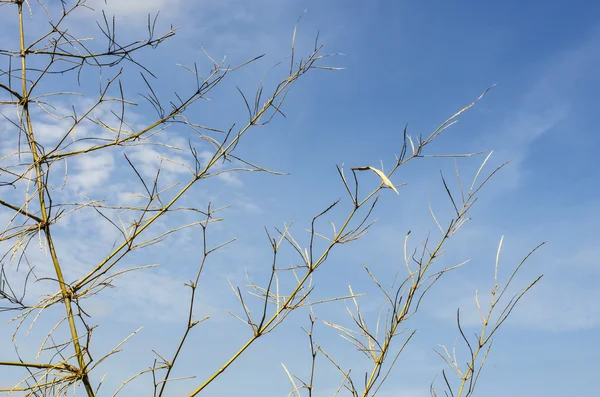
(44, 214)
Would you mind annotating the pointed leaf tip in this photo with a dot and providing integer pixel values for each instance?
(386, 181)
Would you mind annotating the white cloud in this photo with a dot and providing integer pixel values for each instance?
(147, 159)
(544, 107)
(150, 294)
(559, 308)
(91, 171)
(134, 7)
(563, 301)
(248, 206)
(230, 178)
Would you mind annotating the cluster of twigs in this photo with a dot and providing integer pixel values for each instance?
(28, 171)
(402, 299)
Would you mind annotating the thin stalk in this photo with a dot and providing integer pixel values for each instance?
(214, 160)
(283, 307)
(44, 224)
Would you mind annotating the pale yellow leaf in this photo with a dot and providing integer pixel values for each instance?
(386, 181)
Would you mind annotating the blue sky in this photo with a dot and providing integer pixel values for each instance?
(405, 63)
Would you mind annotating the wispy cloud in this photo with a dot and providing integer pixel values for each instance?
(150, 294)
(553, 305)
(135, 7)
(563, 307)
(91, 172)
(545, 107)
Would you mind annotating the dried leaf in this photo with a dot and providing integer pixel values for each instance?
(386, 181)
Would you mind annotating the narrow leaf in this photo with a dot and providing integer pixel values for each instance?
(384, 179)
